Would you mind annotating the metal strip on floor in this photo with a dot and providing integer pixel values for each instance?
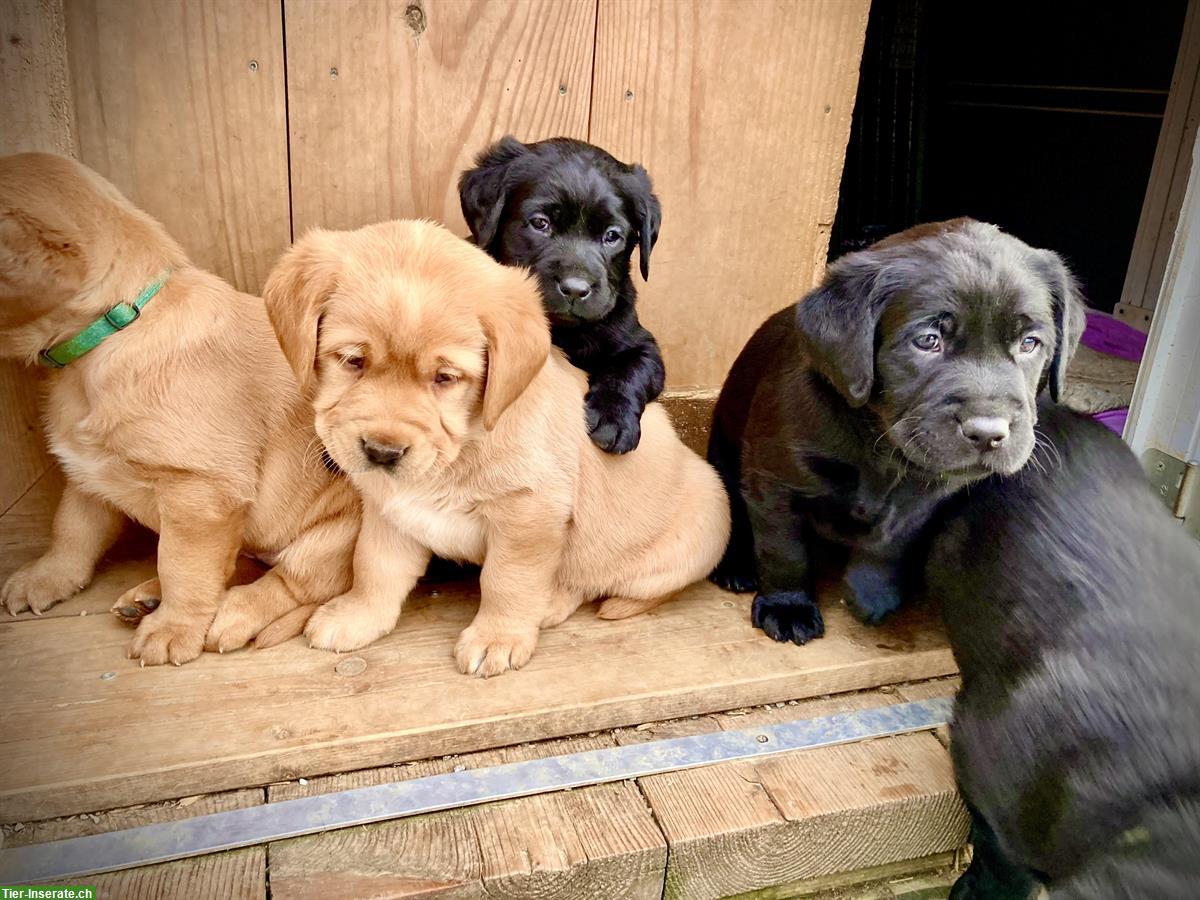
(91, 855)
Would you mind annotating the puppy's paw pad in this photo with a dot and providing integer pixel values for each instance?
(138, 602)
(484, 653)
(40, 584)
(787, 616)
(345, 624)
(872, 594)
(737, 582)
(159, 640)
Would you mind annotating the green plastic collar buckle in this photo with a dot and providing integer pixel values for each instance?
(116, 319)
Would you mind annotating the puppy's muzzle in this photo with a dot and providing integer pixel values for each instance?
(383, 455)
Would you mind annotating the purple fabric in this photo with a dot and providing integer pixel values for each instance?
(1113, 419)
(1112, 336)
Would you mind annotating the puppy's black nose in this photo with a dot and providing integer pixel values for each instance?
(985, 432)
(382, 454)
(574, 288)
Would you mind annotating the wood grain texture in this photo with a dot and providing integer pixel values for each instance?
(1168, 178)
(22, 446)
(181, 105)
(389, 101)
(37, 112)
(741, 112)
(35, 84)
(254, 717)
(599, 841)
(749, 825)
(237, 874)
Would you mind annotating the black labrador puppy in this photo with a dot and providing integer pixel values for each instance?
(910, 372)
(573, 214)
(1072, 601)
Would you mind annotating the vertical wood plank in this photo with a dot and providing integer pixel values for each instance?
(741, 111)
(389, 101)
(180, 103)
(35, 88)
(35, 107)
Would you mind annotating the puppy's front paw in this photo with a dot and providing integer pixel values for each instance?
(484, 651)
(165, 638)
(39, 584)
(138, 602)
(613, 421)
(348, 622)
(873, 592)
(787, 616)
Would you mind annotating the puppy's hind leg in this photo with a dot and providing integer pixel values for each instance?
(313, 568)
(625, 607)
(736, 570)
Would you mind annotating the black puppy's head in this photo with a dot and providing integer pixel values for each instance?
(568, 211)
(947, 332)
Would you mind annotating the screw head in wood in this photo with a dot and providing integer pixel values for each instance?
(351, 666)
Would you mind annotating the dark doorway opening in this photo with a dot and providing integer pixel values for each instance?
(1041, 117)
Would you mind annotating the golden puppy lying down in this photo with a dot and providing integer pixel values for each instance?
(437, 392)
(188, 419)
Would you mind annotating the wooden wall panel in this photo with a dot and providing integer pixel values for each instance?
(36, 112)
(389, 101)
(181, 104)
(740, 109)
(35, 87)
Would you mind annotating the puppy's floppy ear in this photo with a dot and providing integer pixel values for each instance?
(647, 213)
(837, 322)
(1070, 316)
(518, 342)
(33, 250)
(296, 293)
(483, 190)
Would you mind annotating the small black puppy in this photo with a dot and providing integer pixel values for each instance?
(573, 214)
(1072, 601)
(913, 370)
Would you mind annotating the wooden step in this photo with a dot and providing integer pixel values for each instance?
(787, 825)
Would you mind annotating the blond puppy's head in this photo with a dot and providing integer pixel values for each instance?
(408, 340)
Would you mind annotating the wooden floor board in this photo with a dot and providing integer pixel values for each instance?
(599, 841)
(750, 825)
(75, 742)
(236, 874)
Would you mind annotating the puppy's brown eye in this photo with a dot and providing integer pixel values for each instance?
(930, 342)
(444, 378)
(613, 236)
(539, 223)
(355, 362)
(1029, 343)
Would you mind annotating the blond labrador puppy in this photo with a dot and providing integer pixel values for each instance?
(187, 418)
(437, 392)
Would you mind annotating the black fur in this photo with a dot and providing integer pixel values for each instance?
(580, 194)
(837, 436)
(1072, 602)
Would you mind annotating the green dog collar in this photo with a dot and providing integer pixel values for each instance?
(117, 318)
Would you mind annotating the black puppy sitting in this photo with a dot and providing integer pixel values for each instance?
(912, 371)
(1071, 597)
(573, 214)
